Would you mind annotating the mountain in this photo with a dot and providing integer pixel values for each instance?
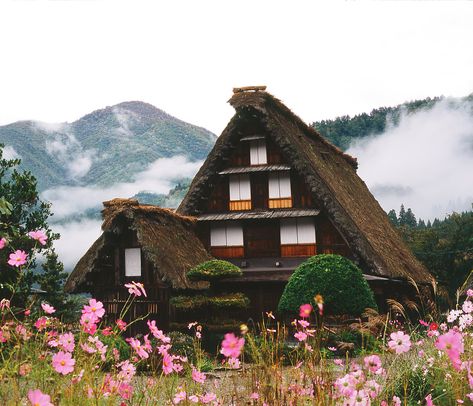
(104, 147)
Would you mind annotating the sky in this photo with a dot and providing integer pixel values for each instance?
(62, 59)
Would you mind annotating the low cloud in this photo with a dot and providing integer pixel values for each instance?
(63, 146)
(159, 177)
(76, 239)
(426, 162)
(10, 153)
(125, 119)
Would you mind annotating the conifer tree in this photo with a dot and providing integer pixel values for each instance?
(393, 217)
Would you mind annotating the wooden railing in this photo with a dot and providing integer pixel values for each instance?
(237, 205)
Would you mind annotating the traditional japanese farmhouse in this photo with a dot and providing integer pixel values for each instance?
(139, 243)
(271, 193)
(274, 192)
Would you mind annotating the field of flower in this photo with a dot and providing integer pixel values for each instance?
(44, 361)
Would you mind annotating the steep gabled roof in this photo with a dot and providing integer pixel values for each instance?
(330, 175)
(166, 238)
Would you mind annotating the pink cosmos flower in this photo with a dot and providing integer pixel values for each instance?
(48, 309)
(254, 396)
(136, 288)
(469, 292)
(372, 363)
(208, 397)
(168, 365)
(4, 304)
(41, 323)
(452, 343)
(39, 236)
(3, 242)
(303, 323)
(198, 376)
(66, 342)
(179, 397)
(140, 349)
(301, 336)
(232, 346)
(467, 306)
(194, 398)
(428, 400)
(95, 308)
(63, 362)
(127, 371)
(88, 322)
(233, 363)
(305, 310)
(396, 401)
(157, 333)
(17, 258)
(38, 398)
(121, 324)
(400, 342)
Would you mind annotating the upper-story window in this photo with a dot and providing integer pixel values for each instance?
(132, 262)
(279, 190)
(258, 154)
(240, 192)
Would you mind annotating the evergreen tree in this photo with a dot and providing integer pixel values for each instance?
(421, 224)
(402, 216)
(393, 217)
(410, 218)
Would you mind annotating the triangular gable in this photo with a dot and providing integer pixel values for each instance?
(331, 177)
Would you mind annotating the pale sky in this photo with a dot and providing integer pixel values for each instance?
(63, 59)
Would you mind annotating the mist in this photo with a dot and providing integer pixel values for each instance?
(78, 235)
(425, 162)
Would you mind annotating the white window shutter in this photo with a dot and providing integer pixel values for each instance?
(254, 153)
(234, 235)
(273, 185)
(305, 231)
(218, 235)
(245, 187)
(262, 155)
(288, 231)
(234, 187)
(285, 184)
(132, 261)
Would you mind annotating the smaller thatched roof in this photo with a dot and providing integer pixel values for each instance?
(166, 238)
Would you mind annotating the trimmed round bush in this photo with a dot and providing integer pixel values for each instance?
(213, 270)
(336, 278)
(224, 301)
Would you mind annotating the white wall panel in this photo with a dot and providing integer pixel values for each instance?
(273, 185)
(234, 235)
(245, 187)
(288, 231)
(305, 231)
(132, 262)
(218, 235)
(284, 184)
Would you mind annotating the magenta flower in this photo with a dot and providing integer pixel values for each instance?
(95, 308)
(428, 400)
(305, 310)
(3, 242)
(400, 342)
(41, 323)
(121, 324)
(88, 322)
(139, 349)
(63, 362)
(48, 309)
(66, 341)
(136, 288)
(232, 346)
(168, 365)
(198, 376)
(39, 236)
(38, 398)
(157, 333)
(452, 343)
(372, 363)
(208, 397)
(301, 336)
(17, 258)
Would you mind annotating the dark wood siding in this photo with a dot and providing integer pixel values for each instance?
(219, 198)
(241, 155)
(259, 190)
(262, 238)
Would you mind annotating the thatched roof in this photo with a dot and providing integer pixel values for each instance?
(166, 238)
(330, 175)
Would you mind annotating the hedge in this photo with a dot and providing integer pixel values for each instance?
(213, 270)
(227, 301)
(336, 278)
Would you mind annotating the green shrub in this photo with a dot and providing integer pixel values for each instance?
(183, 345)
(336, 278)
(226, 301)
(213, 270)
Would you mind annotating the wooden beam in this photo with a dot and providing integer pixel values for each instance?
(249, 88)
